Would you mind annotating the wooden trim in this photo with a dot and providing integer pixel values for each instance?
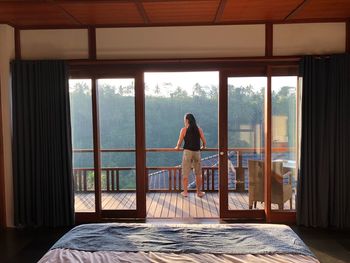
(220, 11)
(223, 169)
(269, 40)
(244, 215)
(190, 62)
(255, 66)
(268, 140)
(104, 150)
(87, 217)
(2, 171)
(142, 11)
(18, 44)
(347, 36)
(243, 22)
(296, 10)
(283, 217)
(109, 214)
(275, 149)
(97, 147)
(141, 180)
(92, 43)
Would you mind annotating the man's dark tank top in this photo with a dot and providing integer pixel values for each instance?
(192, 140)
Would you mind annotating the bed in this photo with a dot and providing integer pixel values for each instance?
(143, 242)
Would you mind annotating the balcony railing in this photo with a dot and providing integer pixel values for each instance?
(111, 176)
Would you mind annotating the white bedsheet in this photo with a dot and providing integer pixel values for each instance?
(68, 255)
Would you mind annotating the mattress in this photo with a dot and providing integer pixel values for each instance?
(179, 243)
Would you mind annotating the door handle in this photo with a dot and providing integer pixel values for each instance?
(221, 153)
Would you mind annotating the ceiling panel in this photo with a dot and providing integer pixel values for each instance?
(104, 13)
(181, 11)
(324, 9)
(66, 13)
(33, 14)
(253, 10)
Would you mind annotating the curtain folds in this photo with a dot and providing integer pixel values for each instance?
(323, 198)
(42, 148)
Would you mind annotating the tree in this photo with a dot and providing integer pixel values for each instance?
(198, 91)
(157, 90)
(179, 93)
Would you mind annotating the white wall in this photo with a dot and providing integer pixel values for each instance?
(180, 42)
(7, 53)
(309, 39)
(54, 44)
(185, 42)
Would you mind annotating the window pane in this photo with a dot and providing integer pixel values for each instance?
(82, 140)
(117, 136)
(246, 142)
(284, 144)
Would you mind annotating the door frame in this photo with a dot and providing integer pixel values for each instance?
(266, 215)
(140, 212)
(136, 68)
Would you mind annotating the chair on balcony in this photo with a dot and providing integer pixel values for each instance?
(280, 191)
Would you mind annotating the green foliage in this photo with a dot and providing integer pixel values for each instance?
(164, 119)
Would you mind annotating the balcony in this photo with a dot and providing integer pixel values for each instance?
(164, 184)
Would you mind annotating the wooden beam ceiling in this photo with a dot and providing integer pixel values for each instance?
(99, 13)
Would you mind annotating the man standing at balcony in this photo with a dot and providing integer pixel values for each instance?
(192, 135)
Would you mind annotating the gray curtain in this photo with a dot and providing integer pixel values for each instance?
(42, 148)
(323, 198)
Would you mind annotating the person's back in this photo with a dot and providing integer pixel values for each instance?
(192, 139)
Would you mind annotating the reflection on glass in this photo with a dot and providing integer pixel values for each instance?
(83, 164)
(117, 139)
(246, 142)
(284, 147)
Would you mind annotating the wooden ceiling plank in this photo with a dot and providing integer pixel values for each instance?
(275, 10)
(96, 14)
(296, 10)
(220, 11)
(324, 9)
(34, 14)
(75, 20)
(142, 11)
(181, 12)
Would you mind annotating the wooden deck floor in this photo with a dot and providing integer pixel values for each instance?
(169, 205)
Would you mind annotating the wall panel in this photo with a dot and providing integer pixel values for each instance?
(308, 39)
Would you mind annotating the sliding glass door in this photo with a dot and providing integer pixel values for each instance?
(80, 92)
(107, 168)
(242, 146)
(116, 109)
(284, 142)
(258, 145)
(249, 168)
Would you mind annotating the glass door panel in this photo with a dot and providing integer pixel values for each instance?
(245, 142)
(284, 142)
(82, 142)
(116, 100)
